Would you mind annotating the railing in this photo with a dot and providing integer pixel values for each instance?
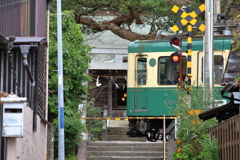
(228, 137)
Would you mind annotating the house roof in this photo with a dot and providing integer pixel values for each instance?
(225, 111)
(29, 40)
(3, 40)
(221, 113)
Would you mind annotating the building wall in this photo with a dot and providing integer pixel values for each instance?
(32, 145)
(21, 85)
(23, 18)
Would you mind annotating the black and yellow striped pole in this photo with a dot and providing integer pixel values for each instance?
(189, 47)
(189, 53)
(188, 18)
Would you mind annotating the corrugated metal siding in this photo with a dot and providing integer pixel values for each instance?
(36, 62)
(10, 17)
(23, 18)
(40, 18)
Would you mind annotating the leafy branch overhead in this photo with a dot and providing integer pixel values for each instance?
(236, 36)
(75, 64)
(122, 16)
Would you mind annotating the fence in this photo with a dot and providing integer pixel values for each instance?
(228, 137)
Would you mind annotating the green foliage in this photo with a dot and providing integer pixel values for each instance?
(70, 157)
(72, 137)
(152, 12)
(75, 65)
(155, 14)
(236, 37)
(193, 133)
(94, 126)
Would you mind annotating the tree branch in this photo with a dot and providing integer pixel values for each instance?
(95, 8)
(115, 28)
(114, 25)
(228, 7)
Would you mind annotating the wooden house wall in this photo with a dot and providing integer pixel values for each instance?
(21, 85)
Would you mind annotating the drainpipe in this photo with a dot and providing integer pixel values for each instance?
(46, 107)
(10, 55)
(25, 51)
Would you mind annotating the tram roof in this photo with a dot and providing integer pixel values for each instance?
(143, 46)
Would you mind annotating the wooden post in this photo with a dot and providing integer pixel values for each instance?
(164, 137)
(109, 97)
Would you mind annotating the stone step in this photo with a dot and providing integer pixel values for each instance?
(121, 148)
(117, 129)
(125, 143)
(118, 146)
(125, 153)
(117, 123)
(124, 146)
(125, 138)
(125, 158)
(121, 133)
(117, 132)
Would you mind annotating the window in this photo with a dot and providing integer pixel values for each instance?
(217, 69)
(141, 71)
(166, 70)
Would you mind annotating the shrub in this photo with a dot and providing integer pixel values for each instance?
(193, 139)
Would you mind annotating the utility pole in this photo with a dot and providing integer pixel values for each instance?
(216, 10)
(61, 146)
(208, 51)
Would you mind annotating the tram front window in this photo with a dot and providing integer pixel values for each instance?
(141, 71)
(166, 70)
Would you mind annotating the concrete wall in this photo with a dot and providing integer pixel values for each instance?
(108, 57)
(32, 145)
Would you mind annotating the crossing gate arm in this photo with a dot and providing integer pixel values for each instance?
(125, 118)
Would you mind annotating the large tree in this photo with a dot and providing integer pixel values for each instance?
(153, 13)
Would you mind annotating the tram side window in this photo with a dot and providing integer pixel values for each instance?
(217, 69)
(166, 70)
(141, 71)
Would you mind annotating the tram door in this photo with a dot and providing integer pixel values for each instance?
(218, 66)
(140, 93)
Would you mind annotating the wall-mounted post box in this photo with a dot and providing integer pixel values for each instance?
(13, 109)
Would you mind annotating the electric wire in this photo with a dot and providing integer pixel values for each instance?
(9, 6)
(157, 12)
(11, 3)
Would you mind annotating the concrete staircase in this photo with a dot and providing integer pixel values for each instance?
(124, 150)
(118, 146)
(120, 134)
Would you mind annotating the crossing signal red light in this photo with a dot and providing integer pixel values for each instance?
(175, 42)
(175, 58)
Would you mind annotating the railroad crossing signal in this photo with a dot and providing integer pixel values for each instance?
(175, 58)
(175, 42)
(188, 18)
